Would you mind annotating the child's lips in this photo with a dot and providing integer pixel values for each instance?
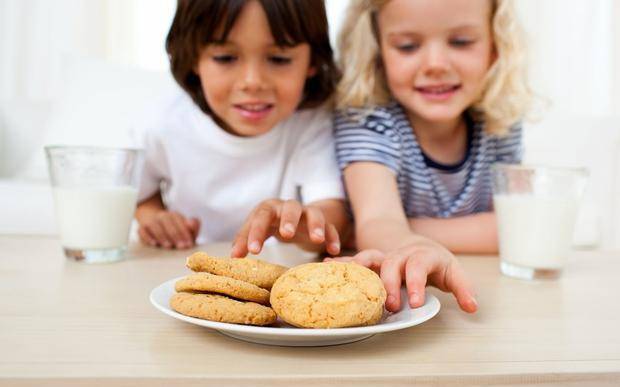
(438, 92)
(254, 111)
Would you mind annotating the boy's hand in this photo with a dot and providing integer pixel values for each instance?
(418, 265)
(168, 229)
(288, 221)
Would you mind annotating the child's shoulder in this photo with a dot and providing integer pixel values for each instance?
(168, 113)
(382, 116)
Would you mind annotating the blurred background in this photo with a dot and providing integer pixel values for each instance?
(81, 72)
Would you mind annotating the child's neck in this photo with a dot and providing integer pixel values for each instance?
(444, 142)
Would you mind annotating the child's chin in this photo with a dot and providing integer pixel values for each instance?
(252, 131)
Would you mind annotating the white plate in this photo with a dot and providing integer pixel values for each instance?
(286, 335)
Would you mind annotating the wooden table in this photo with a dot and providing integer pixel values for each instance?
(64, 323)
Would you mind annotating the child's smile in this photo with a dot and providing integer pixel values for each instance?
(254, 111)
(438, 92)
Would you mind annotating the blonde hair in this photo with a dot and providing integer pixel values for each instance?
(505, 99)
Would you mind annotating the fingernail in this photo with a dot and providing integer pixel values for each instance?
(391, 300)
(166, 244)
(474, 302)
(289, 228)
(319, 232)
(254, 246)
(153, 243)
(414, 299)
(335, 246)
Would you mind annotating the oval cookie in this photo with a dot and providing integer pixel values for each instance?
(214, 307)
(259, 273)
(206, 282)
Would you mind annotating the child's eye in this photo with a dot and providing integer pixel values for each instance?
(407, 47)
(224, 59)
(279, 59)
(461, 42)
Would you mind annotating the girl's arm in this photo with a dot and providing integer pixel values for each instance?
(380, 222)
(401, 256)
(470, 234)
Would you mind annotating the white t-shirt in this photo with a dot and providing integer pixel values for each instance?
(207, 173)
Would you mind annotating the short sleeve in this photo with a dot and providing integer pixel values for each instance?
(316, 171)
(509, 148)
(155, 168)
(372, 137)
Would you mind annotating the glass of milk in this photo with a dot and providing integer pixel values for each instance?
(95, 193)
(536, 208)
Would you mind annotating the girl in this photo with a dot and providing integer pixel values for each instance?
(251, 125)
(437, 102)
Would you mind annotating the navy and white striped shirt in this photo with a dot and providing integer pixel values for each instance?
(427, 189)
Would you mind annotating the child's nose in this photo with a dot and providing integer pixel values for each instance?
(436, 58)
(252, 77)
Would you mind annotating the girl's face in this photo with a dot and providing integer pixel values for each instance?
(249, 82)
(436, 54)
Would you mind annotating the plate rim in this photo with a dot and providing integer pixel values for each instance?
(432, 304)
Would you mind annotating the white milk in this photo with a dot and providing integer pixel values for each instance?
(535, 231)
(94, 218)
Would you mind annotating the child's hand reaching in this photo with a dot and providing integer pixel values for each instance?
(168, 229)
(289, 221)
(417, 264)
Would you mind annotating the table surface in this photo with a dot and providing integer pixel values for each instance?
(68, 323)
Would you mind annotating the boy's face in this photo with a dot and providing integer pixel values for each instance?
(436, 55)
(250, 83)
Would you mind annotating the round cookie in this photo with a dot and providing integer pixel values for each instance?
(329, 295)
(206, 282)
(214, 307)
(259, 273)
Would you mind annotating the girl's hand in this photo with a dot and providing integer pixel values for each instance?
(417, 264)
(288, 221)
(168, 229)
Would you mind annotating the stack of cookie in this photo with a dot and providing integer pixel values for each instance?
(228, 290)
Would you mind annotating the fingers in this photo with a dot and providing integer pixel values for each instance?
(391, 269)
(156, 229)
(315, 222)
(193, 225)
(168, 230)
(183, 239)
(260, 226)
(289, 218)
(175, 230)
(240, 244)
(456, 281)
(369, 258)
(416, 271)
(332, 240)
(146, 237)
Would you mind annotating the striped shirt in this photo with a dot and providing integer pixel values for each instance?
(427, 189)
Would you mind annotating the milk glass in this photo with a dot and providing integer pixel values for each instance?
(536, 208)
(95, 191)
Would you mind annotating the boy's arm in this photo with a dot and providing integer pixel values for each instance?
(470, 234)
(149, 206)
(159, 227)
